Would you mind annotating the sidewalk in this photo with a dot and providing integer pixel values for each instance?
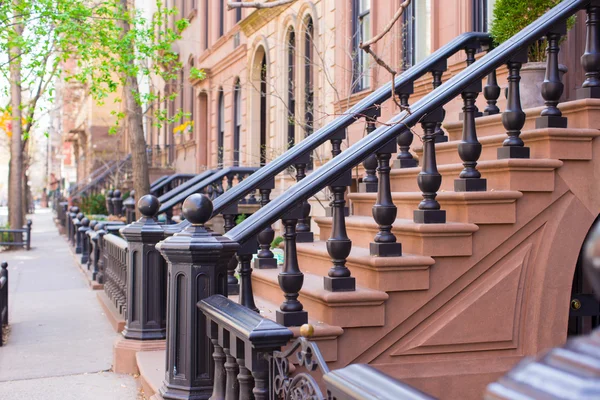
(60, 345)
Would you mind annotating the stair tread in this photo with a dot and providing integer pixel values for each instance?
(406, 225)
(490, 195)
(569, 133)
(313, 288)
(362, 255)
(509, 163)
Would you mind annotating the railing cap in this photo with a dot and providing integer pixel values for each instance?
(246, 324)
(197, 209)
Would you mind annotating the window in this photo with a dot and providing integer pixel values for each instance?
(361, 33)
(237, 121)
(416, 35)
(263, 110)
(221, 17)
(291, 78)
(309, 77)
(206, 27)
(238, 14)
(220, 129)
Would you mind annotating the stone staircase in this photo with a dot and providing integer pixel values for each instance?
(468, 298)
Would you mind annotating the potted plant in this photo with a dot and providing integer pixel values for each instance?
(511, 17)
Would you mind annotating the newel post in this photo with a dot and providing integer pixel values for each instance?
(197, 269)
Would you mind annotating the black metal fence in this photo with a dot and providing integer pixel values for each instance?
(17, 237)
(114, 249)
(3, 298)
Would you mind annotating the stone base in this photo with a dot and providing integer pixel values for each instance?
(346, 284)
(114, 318)
(385, 249)
(430, 216)
(368, 187)
(588, 93)
(304, 237)
(513, 152)
(295, 318)
(550, 122)
(405, 163)
(264, 263)
(470, 185)
(125, 350)
(151, 365)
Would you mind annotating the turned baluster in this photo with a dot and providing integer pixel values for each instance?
(469, 148)
(590, 60)
(229, 213)
(218, 356)
(265, 258)
(369, 181)
(245, 379)
(384, 210)
(437, 72)
(491, 92)
(470, 50)
(85, 226)
(513, 118)
(240, 179)
(552, 88)
(244, 256)
(291, 312)
(232, 388)
(338, 244)
(303, 233)
(405, 159)
(429, 178)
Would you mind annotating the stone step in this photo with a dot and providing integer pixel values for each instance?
(434, 240)
(491, 207)
(583, 113)
(554, 143)
(525, 175)
(387, 274)
(361, 308)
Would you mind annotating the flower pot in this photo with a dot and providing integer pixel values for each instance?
(532, 77)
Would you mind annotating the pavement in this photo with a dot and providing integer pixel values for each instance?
(60, 342)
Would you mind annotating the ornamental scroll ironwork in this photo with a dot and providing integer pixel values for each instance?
(301, 386)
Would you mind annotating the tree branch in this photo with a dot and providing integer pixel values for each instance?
(256, 4)
(388, 27)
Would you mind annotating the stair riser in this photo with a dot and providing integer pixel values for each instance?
(345, 315)
(540, 180)
(388, 280)
(555, 148)
(476, 213)
(580, 114)
(434, 245)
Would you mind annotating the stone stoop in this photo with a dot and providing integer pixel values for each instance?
(151, 366)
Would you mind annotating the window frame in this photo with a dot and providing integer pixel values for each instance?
(237, 121)
(221, 128)
(360, 60)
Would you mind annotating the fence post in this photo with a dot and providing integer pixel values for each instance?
(109, 203)
(129, 204)
(4, 302)
(85, 226)
(145, 324)
(197, 260)
(28, 243)
(117, 202)
(76, 235)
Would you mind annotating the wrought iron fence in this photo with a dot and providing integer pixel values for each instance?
(3, 298)
(17, 237)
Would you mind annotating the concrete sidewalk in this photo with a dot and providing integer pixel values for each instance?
(60, 345)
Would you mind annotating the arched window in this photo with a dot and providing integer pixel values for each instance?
(291, 96)
(220, 129)
(237, 121)
(263, 110)
(361, 32)
(309, 83)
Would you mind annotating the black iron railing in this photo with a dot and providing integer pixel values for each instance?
(248, 361)
(101, 180)
(168, 183)
(17, 237)
(3, 299)
(114, 249)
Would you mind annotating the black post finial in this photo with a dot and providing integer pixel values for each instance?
(197, 209)
(148, 205)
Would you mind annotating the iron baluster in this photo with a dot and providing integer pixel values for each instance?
(552, 88)
(429, 178)
(513, 118)
(265, 258)
(303, 233)
(469, 149)
(491, 92)
(244, 256)
(369, 181)
(437, 72)
(291, 312)
(229, 214)
(384, 210)
(405, 159)
(590, 60)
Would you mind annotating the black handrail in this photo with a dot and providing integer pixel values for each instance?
(362, 108)
(214, 178)
(157, 181)
(169, 179)
(102, 176)
(355, 154)
(184, 186)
